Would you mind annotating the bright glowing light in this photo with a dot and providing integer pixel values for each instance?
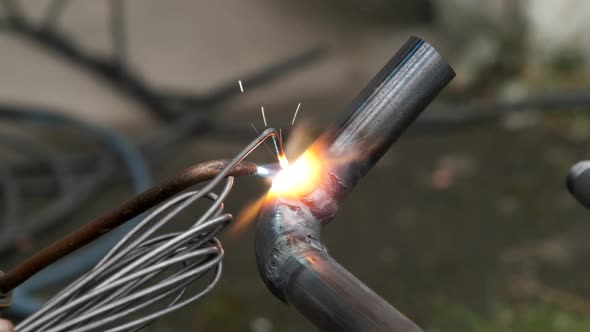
(283, 161)
(262, 170)
(299, 178)
(246, 216)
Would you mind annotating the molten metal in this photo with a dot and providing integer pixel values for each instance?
(298, 179)
(283, 161)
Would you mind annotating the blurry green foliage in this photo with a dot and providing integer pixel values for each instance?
(567, 62)
(537, 318)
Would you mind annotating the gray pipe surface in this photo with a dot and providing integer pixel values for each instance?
(291, 259)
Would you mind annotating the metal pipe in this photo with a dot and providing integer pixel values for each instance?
(291, 259)
(578, 182)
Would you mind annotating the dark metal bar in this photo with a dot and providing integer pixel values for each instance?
(165, 105)
(119, 32)
(103, 67)
(53, 13)
(578, 182)
(291, 259)
(128, 210)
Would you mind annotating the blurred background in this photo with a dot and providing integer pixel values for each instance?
(464, 225)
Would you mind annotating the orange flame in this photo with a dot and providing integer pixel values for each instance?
(246, 216)
(299, 178)
(299, 140)
(283, 161)
(296, 179)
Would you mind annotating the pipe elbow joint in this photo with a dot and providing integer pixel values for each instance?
(287, 234)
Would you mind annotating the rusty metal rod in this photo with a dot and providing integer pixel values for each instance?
(291, 259)
(128, 210)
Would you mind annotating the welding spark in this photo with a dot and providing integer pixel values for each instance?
(246, 216)
(268, 170)
(299, 178)
(255, 130)
(263, 116)
(260, 170)
(241, 87)
(295, 116)
(283, 161)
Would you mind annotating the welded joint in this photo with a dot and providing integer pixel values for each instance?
(294, 233)
(5, 298)
(288, 255)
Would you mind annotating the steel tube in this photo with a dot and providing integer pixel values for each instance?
(291, 259)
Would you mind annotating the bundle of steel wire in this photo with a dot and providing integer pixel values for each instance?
(149, 273)
(139, 272)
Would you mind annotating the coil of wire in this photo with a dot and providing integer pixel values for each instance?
(150, 272)
(141, 271)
